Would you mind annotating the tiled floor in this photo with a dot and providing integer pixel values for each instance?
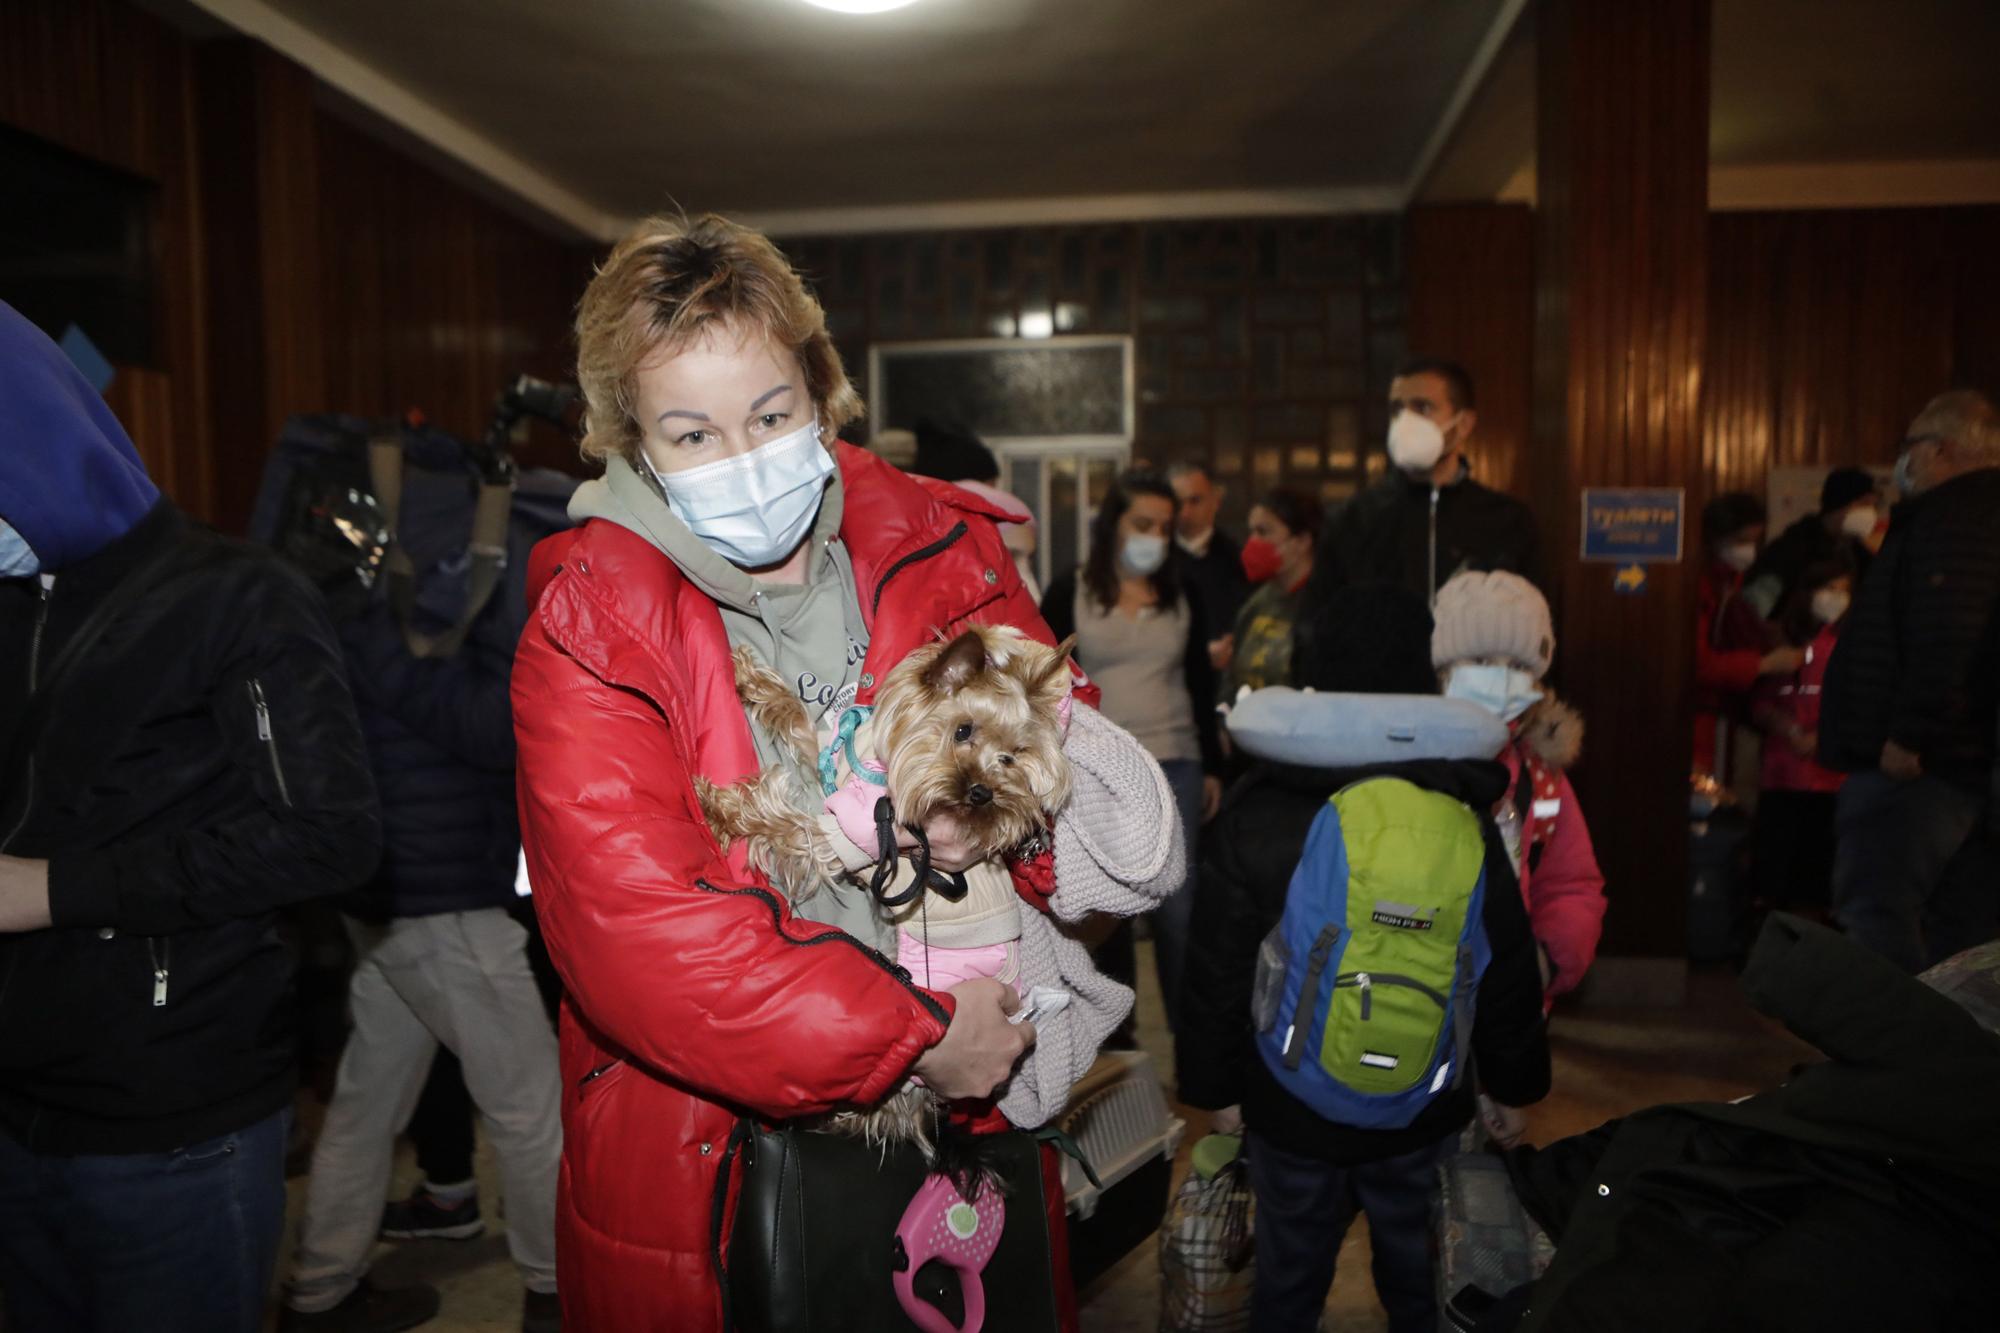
(1608, 1062)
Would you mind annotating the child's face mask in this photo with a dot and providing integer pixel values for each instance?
(1506, 692)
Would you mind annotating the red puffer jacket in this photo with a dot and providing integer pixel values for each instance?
(693, 993)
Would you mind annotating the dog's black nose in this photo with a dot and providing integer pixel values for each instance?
(979, 793)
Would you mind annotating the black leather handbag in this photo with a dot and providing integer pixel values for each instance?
(814, 1249)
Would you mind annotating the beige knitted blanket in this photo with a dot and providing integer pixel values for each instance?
(1119, 850)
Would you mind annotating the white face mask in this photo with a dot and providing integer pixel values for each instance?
(1829, 605)
(1415, 443)
(17, 559)
(1859, 523)
(1142, 553)
(1503, 691)
(753, 509)
(1740, 556)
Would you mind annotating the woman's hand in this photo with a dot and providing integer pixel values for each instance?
(1211, 796)
(951, 850)
(979, 1050)
(1781, 661)
(1229, 1120)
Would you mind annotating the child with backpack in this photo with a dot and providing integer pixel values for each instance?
(1795, 810)
(1361, 962)
(1493, 644)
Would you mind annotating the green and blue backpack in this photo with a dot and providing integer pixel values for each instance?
(1364, 990)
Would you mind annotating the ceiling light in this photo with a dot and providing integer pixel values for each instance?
(861, 6)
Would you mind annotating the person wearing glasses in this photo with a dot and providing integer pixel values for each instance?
(1909, 707)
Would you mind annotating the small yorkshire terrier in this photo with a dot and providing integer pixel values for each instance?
(970, 728)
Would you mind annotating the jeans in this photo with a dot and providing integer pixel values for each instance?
(173, 1242)
(1914, 874)
(462, 979)
(1304, 1207)
(1170, 918)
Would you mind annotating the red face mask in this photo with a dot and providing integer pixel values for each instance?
(1261, 560)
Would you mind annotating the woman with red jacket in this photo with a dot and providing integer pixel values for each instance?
(1733, 647)
(729, 520)
(1493, 642)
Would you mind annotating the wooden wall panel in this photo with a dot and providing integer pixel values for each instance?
(1470, 274)
(1621, 287)
(432, 297)
(1829, 330)
(112, 83)
(302, 265)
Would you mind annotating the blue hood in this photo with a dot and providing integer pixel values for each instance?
(70, 481)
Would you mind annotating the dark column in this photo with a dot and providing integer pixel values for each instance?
(1621, 282)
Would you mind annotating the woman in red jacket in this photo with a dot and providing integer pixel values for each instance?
(1733, 647)
(728, 519)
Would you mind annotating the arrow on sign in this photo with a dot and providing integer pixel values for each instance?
(1630, 579)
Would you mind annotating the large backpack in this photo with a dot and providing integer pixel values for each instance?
(1364, 990)
(321, 506)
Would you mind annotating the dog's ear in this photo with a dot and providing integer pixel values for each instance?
(961, 663)
(1052, 681)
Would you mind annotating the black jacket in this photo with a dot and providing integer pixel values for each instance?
(1384, 535)
(1249, 852)
(1919, 653)
(1217, 577)
(441, 740)
(1858, 1195)
(199, 768)
(1059, 610)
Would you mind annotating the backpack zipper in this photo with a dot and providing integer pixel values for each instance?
(876, 956)
(1366, 982)
(1294, 1051)
(266, 738)
(160, 952)
(34, 667)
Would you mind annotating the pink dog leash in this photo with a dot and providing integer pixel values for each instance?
(940, 1224)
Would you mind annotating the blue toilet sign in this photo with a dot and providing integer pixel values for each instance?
(1633, 526)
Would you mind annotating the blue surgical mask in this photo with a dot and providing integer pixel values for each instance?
(1505, 692)
(1142, 553)
(753, 509)
(17, 559)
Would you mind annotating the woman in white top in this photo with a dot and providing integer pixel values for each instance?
(1142, 635)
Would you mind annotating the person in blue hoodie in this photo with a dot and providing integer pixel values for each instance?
(179, 759)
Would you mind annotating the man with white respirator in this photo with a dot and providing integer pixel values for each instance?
(1426, 519)
(1492, 645)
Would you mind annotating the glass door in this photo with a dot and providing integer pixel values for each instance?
(1063, 482)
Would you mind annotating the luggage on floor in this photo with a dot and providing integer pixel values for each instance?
(1485, 1238)
(1207, 1268)
(1718, 846)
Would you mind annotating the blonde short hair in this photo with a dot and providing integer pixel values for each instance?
(664, 286)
